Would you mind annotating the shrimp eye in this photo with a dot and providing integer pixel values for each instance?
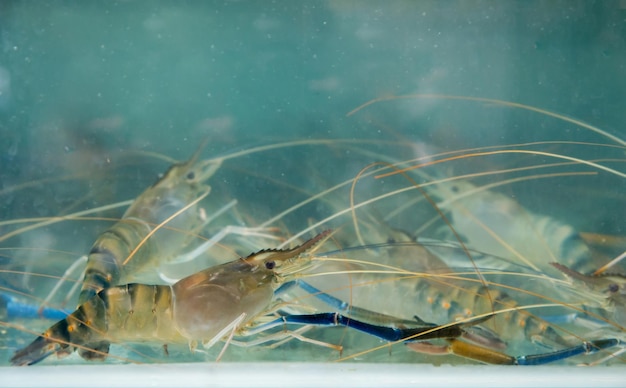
(270, 264)
(191, 175)
(455, 189)
(613, 288)
(391, 240)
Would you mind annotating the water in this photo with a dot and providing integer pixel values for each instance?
(89, 90)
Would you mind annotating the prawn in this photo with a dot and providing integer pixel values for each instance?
(205, 306)
(444, 295)
(197, 307)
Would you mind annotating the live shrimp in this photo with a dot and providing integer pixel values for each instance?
(518, 320)
(205, 307)
(195, 308)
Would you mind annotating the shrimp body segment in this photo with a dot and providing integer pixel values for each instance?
(113, 314)
(196, 308)
(179, 187)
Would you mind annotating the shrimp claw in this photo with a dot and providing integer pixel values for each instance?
(392, 333)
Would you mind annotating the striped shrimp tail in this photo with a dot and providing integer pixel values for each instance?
(55, 340)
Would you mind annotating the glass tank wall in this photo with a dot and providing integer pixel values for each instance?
(455, 150)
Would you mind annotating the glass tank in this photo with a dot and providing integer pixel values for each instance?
(403, 192)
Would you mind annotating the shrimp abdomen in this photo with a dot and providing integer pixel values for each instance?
(105, 262)
(129, 313)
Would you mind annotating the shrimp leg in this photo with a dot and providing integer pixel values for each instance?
(387, 328)
(392, 333)
(490, 356)
(14, 308)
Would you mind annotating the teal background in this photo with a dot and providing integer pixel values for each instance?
(83, 82)
(148, 74)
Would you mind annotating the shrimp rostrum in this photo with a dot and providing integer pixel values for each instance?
(204, 307)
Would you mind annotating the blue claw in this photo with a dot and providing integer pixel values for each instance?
(390, 329)
(589, 347)
(387, 333)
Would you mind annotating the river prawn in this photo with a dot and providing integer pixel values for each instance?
(206, 306)
(130, 249)
(184, 312)
(504, 316)
(521, 305)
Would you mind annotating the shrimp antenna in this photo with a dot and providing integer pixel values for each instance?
(494, 102)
